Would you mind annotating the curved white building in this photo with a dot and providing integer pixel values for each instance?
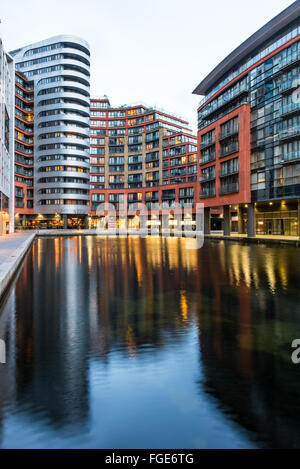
(60, 69)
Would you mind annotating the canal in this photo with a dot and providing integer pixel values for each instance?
(151, 343)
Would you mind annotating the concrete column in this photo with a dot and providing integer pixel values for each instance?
(298, 218)
(143, 222)
(251, 220)
(206, 220)
(24, 220)
(240, 220)
(226, 215)
(86, 222)
(65, 218)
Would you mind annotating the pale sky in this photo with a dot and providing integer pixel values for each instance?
(150, 51)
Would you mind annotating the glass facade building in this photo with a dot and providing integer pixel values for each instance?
(248, 131)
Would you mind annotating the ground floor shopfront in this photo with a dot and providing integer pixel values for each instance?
(4, 223)
(278, 218)
(260, 218)
(172, 222)
(53, 221)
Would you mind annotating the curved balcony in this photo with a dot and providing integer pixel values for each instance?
(64, 196)
(63, 151)
(76, 98)
(63, 128)
(61, 162)
(64, 116)
(82, 89)
(62, 209)
(84, 143)
(60, 185)
(71, 174)
(57, 106)
(78, 52)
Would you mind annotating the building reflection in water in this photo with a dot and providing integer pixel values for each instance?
(83, 298)
(249, 317)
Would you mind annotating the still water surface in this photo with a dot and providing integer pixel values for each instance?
(128, 343)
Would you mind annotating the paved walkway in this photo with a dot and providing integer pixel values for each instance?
(12, 251)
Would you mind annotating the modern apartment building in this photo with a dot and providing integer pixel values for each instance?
(6, 142)
(24, 156)
(59, 70)
(249, 132)
(140, 156)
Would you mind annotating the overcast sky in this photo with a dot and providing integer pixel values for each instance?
(151, 51)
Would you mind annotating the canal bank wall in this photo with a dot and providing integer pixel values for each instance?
(187, 234)
(13, 249)
(277, 240)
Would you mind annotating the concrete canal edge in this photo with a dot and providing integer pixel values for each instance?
(256, 240)
(10, 267)
(188, 234)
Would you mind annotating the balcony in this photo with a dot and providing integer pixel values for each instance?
(207, 178)
(149, 198)
(229, 188)
(207, 159)
(227, 134)
(290, 133)
(207, 193)
(232, 147)
(290, 157)
(223, 174)
(290, 108)
(207, 143)
(168, 197)
(288, 85)
(290, 60)
(226, 99)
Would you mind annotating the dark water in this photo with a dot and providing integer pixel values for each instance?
(150, 343)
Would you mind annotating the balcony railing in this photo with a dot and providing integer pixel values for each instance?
(207, 143)
(152, 198)
(291, 59)
(290, 132)
(228, 149)
(209, 177)
(291, 156)
(223, 174)
(286, 86)
(228, 133)
(289, 109)
(168, 197)
(207, 159)
(207, 193)
(229, 188)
